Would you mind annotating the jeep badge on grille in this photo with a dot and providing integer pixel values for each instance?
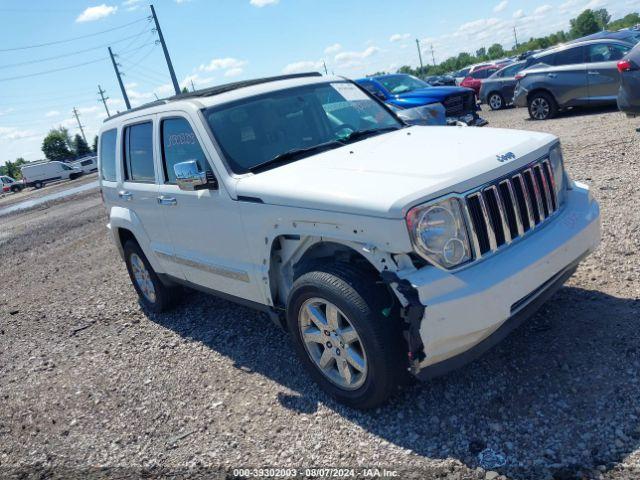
(506, 157)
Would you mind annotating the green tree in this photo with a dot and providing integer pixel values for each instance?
(584, 24)
(625, 22)
(80, 147)
(481, 52)
(496, 51)
(56, 145)
(602, 17)
(95, 145)
(12, 169)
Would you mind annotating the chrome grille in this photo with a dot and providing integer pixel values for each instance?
(504, 210)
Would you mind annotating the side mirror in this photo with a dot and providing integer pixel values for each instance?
(189, 177)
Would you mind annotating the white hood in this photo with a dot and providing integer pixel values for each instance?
(384, 175)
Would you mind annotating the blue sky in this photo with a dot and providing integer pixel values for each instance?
(217, 41)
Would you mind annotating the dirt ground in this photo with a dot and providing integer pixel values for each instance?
(92, 385)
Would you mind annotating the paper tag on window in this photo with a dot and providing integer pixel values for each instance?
(350, 92)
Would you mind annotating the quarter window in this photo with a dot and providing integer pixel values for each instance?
(180, 144)
(138, 153)
(108, 155)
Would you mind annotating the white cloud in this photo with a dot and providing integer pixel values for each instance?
(233, 72)
(96, 13)
(131, 5)
(222, 64)
(542, 9)
(346, 57)
(335, 48)
(52, 113)
(303, 66)
(397, 37)
(12, 133)
(198, 81)
(263, 3)
(501, 6)
(518, 14)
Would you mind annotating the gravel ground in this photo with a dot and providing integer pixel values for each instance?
(88, 380)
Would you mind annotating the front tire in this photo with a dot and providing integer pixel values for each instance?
(496, 102)
(542, 106)
(349, 347)
(153, 294)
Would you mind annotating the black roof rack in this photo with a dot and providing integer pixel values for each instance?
(217, 90)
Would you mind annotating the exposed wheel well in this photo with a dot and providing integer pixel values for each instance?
(292, 256)
(125, 235)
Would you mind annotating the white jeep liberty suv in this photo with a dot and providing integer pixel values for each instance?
(385, 250)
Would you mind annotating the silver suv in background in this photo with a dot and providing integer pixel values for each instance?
(581, 74)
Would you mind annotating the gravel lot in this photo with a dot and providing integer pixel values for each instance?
(89, 380)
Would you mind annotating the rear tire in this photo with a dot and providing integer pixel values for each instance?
(360, 373)
(153, 294)
(496, 102)
(38, 185)
(15, 189)
(542, 106)
(74, 176)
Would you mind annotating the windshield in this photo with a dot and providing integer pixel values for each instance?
(257, 130)
(397, 84)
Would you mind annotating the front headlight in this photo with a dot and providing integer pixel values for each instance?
(439, 233)
(557, 165)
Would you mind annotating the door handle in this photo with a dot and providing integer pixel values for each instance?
(124, 195)
(169, 201)
(552, 75)
(594, 72)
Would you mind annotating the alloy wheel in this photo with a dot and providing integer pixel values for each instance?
(333, 343)
(495, 102)
(540, 108)
(142, 277)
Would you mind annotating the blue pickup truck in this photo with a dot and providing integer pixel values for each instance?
(406, 92)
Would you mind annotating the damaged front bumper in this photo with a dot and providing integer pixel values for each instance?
(467, 312)
(470, 120)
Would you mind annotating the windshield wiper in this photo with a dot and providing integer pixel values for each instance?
(360, 134)
(295, 154)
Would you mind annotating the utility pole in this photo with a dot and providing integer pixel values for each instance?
(193, 87)
(515, 35)
(433, 56)
(104, 100)
(419, 54)
(166, 52)
(325, 67)
(124, 92)
(75, 113)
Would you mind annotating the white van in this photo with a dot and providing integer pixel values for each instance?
(86, 164)
(38, 174)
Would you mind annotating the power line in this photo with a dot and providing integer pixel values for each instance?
(57, 42)
(36, 74)
(55, 57)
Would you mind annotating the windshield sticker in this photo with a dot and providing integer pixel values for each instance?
(349, 92)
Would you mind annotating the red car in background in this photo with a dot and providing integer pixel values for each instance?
(474, 79)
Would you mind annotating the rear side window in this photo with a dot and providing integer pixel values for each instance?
(180, 144)
(571, 56)
(108, 155)
(138, 153)
(603, 52)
